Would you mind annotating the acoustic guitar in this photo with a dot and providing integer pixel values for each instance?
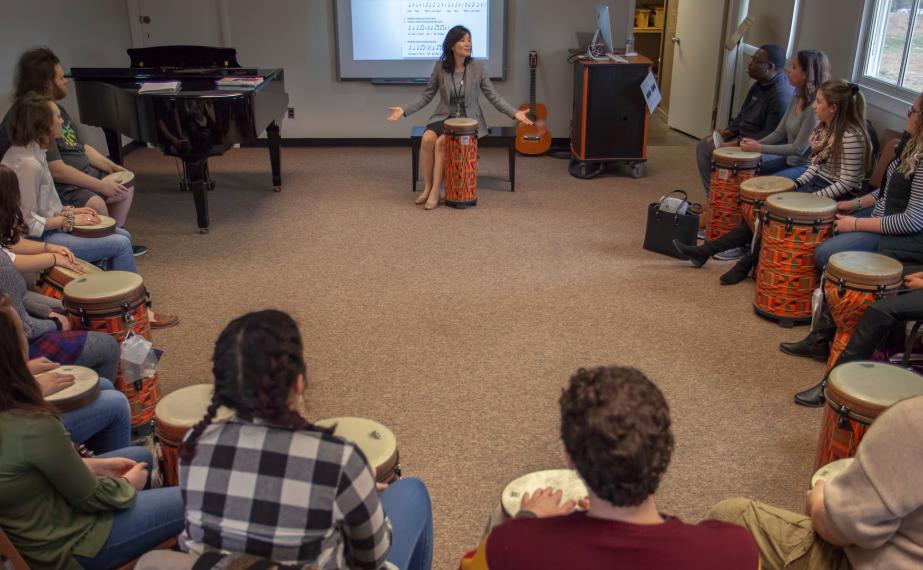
(533, 139)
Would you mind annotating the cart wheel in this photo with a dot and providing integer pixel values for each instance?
(637, 170)
(585, 170)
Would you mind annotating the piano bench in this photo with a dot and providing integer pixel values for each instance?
(496, 136)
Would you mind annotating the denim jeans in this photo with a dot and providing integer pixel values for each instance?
(156, 516)
(407, 505)
(114, 249)
(791, 172)
(852, 241)
(103, 425)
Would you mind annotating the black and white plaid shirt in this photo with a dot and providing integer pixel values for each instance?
(301, 498)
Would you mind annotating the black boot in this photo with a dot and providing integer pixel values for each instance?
(817, 344)
(739, 272)
(813, 397)
(872, 329)
(693, 253)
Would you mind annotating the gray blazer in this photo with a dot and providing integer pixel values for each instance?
(476, 78)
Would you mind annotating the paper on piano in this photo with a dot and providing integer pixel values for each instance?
(239, 81)
(160, 87)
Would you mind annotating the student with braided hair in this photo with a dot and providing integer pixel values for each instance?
(270, 486)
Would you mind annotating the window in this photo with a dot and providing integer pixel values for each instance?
(895, 44)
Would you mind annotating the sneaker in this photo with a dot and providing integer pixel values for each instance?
(700, 234)
(731, 254)
(138, 250)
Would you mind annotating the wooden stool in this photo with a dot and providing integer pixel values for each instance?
(496, 136)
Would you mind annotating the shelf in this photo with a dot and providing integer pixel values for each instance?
(648, 30)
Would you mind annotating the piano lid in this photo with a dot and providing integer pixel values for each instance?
(183, 57)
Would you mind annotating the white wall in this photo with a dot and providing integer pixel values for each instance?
(88, 33)
(298, 36)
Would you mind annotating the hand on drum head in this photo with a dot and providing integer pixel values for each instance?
(53, 382)
(547, 503)
(110, 189)
(914, 280)
(523, 117)
(65, 323)
(846, 206)
(61, 250)
(86, 219)
(749, 145)
(844, 224)
(39, 365)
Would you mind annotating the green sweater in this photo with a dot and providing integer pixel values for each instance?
(51, 506)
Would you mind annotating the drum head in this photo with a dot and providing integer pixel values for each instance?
(567, 480)
(734, 156)
(184, 408)
(376, 441)
(831, 470)
(103, 285)
(868, 388)
(70, 274)
(864, 268)
(124, 177)
(86, 379)
(762, 187)
(105, 223)
(801, 206)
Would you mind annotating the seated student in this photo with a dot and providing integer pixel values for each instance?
(868, 517)
(871, 330)
(322, 511)
(763, 109)
(840, 144)
(841, 152)
(77, 168)
(61, 511)
(890, 219)
(34, 124)
(615, 425)
(785, 149)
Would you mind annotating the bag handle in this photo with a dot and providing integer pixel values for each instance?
(684, 196)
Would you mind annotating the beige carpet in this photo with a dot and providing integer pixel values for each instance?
(459, 328)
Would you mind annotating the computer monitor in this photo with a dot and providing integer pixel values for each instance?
(604, 27)
(614, 33)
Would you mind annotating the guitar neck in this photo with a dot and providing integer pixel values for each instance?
(532, 91)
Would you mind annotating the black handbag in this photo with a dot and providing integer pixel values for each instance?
(663, 227)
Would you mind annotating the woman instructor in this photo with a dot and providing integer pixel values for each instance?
(457, 78)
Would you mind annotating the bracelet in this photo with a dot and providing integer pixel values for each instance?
(69, 219)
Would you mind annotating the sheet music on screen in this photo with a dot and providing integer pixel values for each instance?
(401, 30)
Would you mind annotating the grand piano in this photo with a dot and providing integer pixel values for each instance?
(197, 122)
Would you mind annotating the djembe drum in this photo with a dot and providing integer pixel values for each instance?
(857, 393)
(831, 470)
(730, 166)
(175, 414)
(82, 392)
(376, 441)
(105, 227)
(115, 303)
(753, 194)
(793, 225)
(566, 480)
(461, 162)
(853, 280)
(124, 177)
(52, 281)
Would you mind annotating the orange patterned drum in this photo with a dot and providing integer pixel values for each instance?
(175, 414)
(461, 162)
(857, 393)
(753, 194)
(794, 224)
(115, 302)
(54, 279)
(730, 166)
(853, 280)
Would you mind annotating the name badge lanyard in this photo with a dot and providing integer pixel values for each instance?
(455, 88)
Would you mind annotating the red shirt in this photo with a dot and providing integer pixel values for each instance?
(581, 542)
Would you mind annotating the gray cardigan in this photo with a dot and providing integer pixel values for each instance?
(476, 78)
(792, 136)
(12, 283)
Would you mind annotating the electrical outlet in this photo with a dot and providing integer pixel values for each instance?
(291, 112)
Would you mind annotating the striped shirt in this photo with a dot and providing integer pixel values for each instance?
(910, 221)
(848, 179)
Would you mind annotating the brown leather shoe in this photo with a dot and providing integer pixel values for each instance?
(164, 321)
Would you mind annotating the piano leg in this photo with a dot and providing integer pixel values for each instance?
(114, 143)
(196, 172)
(275, 141)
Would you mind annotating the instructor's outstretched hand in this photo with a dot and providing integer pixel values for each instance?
(396, 113)
(523, 117)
